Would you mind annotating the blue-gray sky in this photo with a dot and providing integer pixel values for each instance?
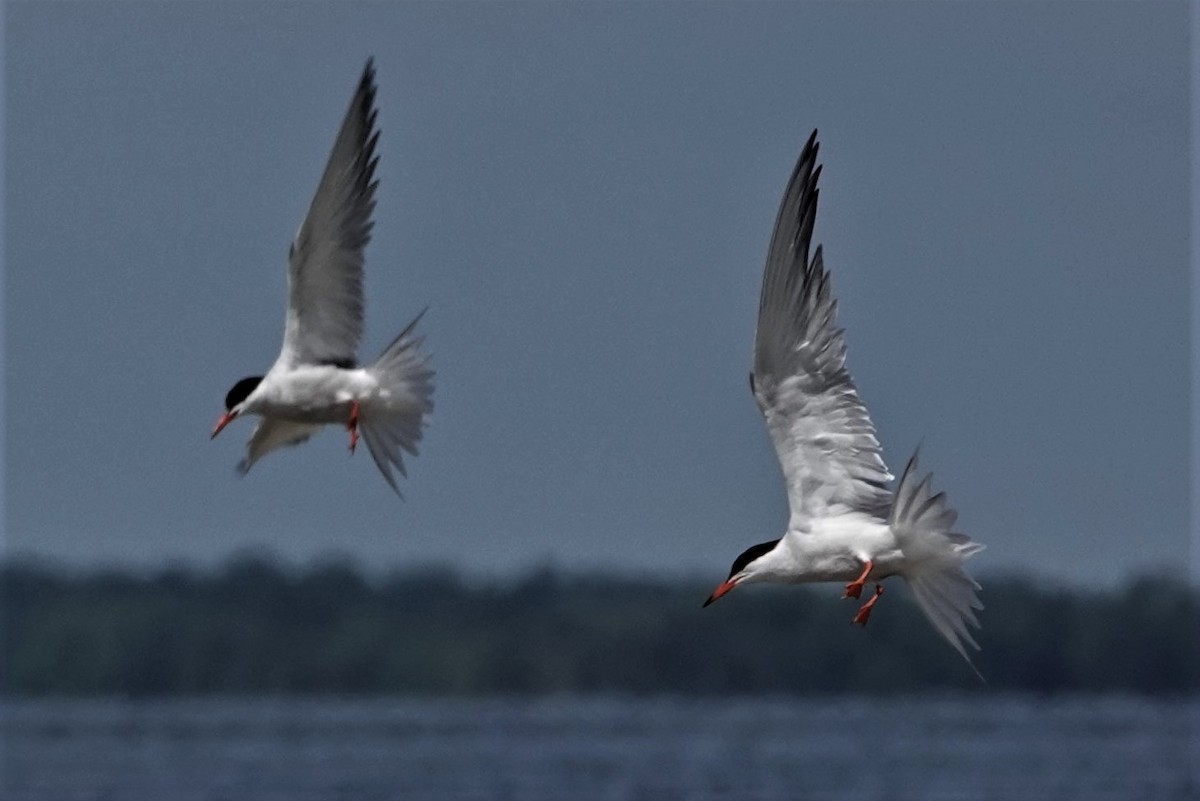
(583, 194)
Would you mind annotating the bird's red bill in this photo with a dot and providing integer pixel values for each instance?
(224, 421)
(719, 591)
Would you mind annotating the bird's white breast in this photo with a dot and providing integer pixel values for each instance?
(834, 548)
(312, 394)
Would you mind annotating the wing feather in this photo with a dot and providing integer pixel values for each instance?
(271, 434)
(325, 263)
(822, 432)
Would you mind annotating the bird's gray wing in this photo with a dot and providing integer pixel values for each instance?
(325, 263)
(822, 433)
(271, 434)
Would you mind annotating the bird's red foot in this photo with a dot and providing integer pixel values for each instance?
(864, 613)
(352, 425)
(854, 589)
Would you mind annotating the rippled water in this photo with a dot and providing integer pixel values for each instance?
(854, 749)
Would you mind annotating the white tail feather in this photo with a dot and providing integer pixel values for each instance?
(934, 557)
(396, 422)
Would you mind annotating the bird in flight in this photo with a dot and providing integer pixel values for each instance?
(846, 524)
(317, 379)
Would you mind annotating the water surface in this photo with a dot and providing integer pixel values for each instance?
(852, 749)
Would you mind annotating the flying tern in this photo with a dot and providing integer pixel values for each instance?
(317, 379)
(845, 524)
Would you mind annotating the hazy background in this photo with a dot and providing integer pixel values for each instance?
(583, 194)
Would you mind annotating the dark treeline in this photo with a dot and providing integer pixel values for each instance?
(255, 627)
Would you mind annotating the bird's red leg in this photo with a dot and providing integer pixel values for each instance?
(864, 613)
(854, 588)
(352, 425)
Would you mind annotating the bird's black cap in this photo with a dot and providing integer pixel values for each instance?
(241, 390)
(750, 554)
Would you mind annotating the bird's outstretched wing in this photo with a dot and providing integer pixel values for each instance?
(271, 434)
(325, 262)
(823, 436)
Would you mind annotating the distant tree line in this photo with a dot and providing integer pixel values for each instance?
(253, 626)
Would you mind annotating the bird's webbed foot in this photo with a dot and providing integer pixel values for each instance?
(854, 589)
(864, 612)
(352, 425)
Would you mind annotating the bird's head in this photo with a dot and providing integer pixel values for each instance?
(747, 567)
(234, 400)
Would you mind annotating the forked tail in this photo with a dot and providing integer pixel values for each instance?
(934, 556)
(396, 421)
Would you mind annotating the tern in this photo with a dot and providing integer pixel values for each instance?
(317, 379)
(845, 523)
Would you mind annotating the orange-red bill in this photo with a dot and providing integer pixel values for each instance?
(224, 421)
(719, 591)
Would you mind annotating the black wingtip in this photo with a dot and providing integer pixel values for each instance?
(366, 86)
(811, 147)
